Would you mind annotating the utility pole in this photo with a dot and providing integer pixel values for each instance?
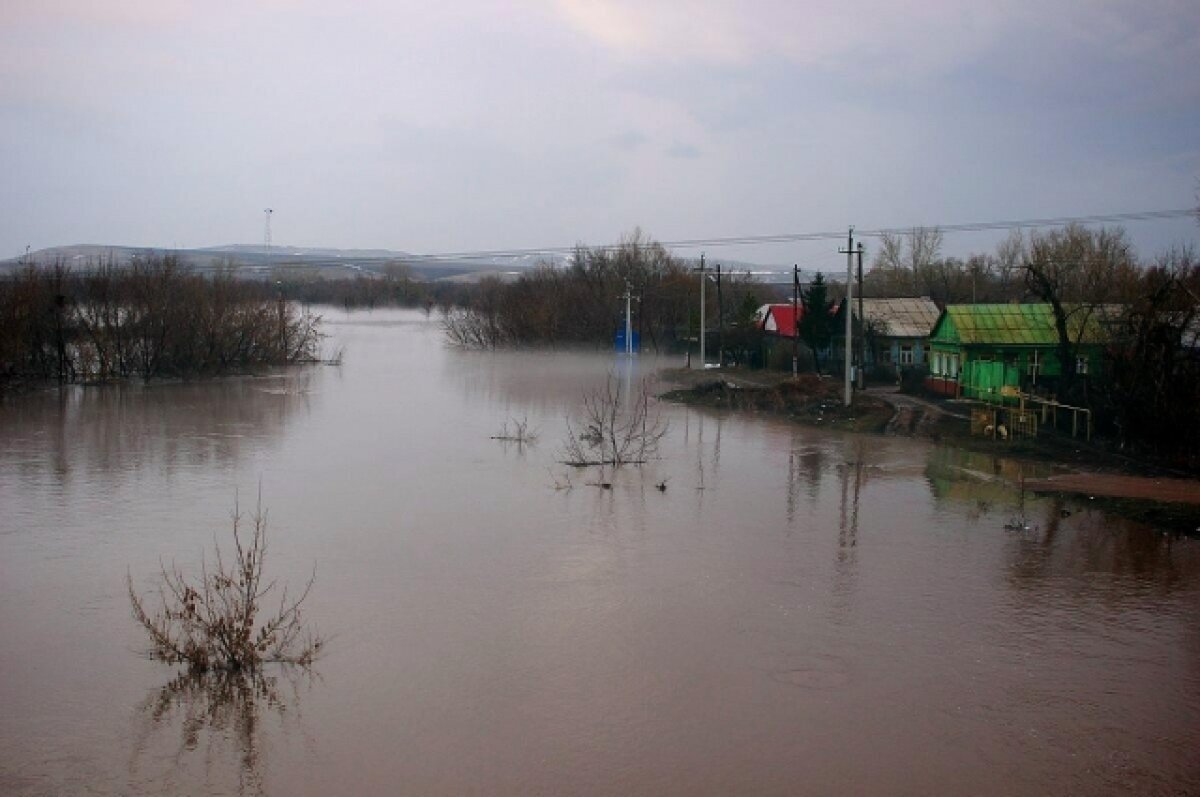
(282, 320)
(849, 251)
(641, 297)
(862, 320)
(628, 319)
(720, 322)
(795, 320)
(688, 361)
(702, 270)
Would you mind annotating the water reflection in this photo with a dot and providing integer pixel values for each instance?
(852, 475)
(220, 722)
(979, 479)
(1069, 548)
(806, 467)
(545, 382)
(102, 432)
(590, 640)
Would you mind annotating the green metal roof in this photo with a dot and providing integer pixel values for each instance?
(1011, 324)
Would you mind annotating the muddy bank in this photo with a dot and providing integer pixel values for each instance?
(1181, 491)
(1164, 503)
(1121, 485)
(809, 399)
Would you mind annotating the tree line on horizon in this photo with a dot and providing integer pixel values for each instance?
(584, 303)
(153, 318)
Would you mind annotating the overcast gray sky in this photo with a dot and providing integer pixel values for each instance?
(467, 125)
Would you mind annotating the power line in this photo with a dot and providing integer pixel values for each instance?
(750, 240)
(742, 240)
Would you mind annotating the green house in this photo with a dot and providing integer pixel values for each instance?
(993, 351)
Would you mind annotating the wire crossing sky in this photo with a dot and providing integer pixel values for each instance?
(482, 125)
(752, 240)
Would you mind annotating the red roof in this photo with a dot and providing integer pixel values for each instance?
(780, 319)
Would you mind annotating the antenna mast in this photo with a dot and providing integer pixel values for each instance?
(267, 236)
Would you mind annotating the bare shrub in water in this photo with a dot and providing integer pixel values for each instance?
(152, 318)
(218, 622)
(519, 433)
(614, 430)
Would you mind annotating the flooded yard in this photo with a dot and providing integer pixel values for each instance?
(796, 612)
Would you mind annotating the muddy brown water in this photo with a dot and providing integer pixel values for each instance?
(800, 612)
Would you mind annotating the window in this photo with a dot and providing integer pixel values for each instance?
(1081, 365)
(906, 354)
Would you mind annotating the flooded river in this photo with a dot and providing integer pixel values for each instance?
(798, 612)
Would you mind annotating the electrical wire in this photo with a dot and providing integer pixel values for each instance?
(698, 243)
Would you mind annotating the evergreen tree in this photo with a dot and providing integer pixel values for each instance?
(749, 306)
(816, 324)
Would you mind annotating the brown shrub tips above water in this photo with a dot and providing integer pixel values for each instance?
(616, 428)
(219, 621)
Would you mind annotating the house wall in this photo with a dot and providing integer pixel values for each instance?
(1025, 366)
(890, 349)
(918, 346)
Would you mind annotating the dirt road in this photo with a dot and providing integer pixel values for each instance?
(914, 415)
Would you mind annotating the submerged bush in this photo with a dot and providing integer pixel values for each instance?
(614, 429)
(218, 622)
(151, 318)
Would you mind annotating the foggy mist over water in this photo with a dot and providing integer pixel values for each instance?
(798, 612)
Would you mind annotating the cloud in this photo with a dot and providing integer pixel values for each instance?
(142, 14)
(827, 34)
(882, 40)
(628, 141)
(681, 150)
(390, 122)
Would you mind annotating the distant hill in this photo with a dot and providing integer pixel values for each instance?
(251, 261)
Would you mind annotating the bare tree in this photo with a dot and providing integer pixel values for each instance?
(1010, 258)
(153, 318)
(1077, 271)
(1153, 388)
(217, 622)
(924, 247)
(891, 252)
(614, 429)
(906, 263)
(581, 303)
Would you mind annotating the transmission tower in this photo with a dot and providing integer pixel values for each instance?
(267, 236)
